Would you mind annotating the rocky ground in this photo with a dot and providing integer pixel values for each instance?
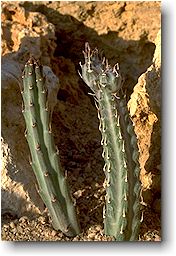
(55, 32)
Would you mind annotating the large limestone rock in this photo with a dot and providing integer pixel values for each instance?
(29, 31)
(144, 107)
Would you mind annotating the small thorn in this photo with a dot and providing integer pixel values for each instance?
(46, 174)
(22, 107)
(124, 214)
(112, 98)
(40, 79)
(36, 80)
(123, 146)
(108, 184)
(66, 230)
(124, 163)
(66, 174)
(38, 147)
(107, 65)
(96, 105)
(109, 166)
(101, 91)
(30, 73)
(30, 160)
(125, 197)
(121, 230)
(100, 126)
(92, 94)
(126, 179)
(50, 129)
(142, 217)
(74, 201)
(99, 115)
(34, 125)
(116, 67)
(109, 201)
(116, 96)
(25, 133)
(120, 135)
(22, 76)
(104, 168)
(102, 141)
(118, 121)
(79, 71)
(31, 104)
(116, 114)
(105, 141)
(54, 199)
(104, 184)
(30, 87)
(46, 107)
(104, 128)
(57, 151)
(104, 213)
(103, 153)
(95, 98)
(89, 70)
(103, 60)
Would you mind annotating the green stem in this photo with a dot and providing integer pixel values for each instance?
(120, 150)
(52, 182)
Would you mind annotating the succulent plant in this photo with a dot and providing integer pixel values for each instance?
(120, 151)
(52, 182)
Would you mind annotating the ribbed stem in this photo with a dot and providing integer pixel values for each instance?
(115, 167)
(52, 183)
(120, 150)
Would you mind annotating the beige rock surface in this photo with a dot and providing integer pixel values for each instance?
(144, 107)
(29, 31)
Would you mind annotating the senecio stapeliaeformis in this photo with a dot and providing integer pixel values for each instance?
(120, 151)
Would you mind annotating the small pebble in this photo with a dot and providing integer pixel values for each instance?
(53, 233)
(41, 219)
(12, 225)
(23, 219)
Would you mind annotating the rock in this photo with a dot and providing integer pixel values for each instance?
(156, 183)
(29, 31)
(157, 205)
(19, 194)
(144, 107)
(147, 197)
